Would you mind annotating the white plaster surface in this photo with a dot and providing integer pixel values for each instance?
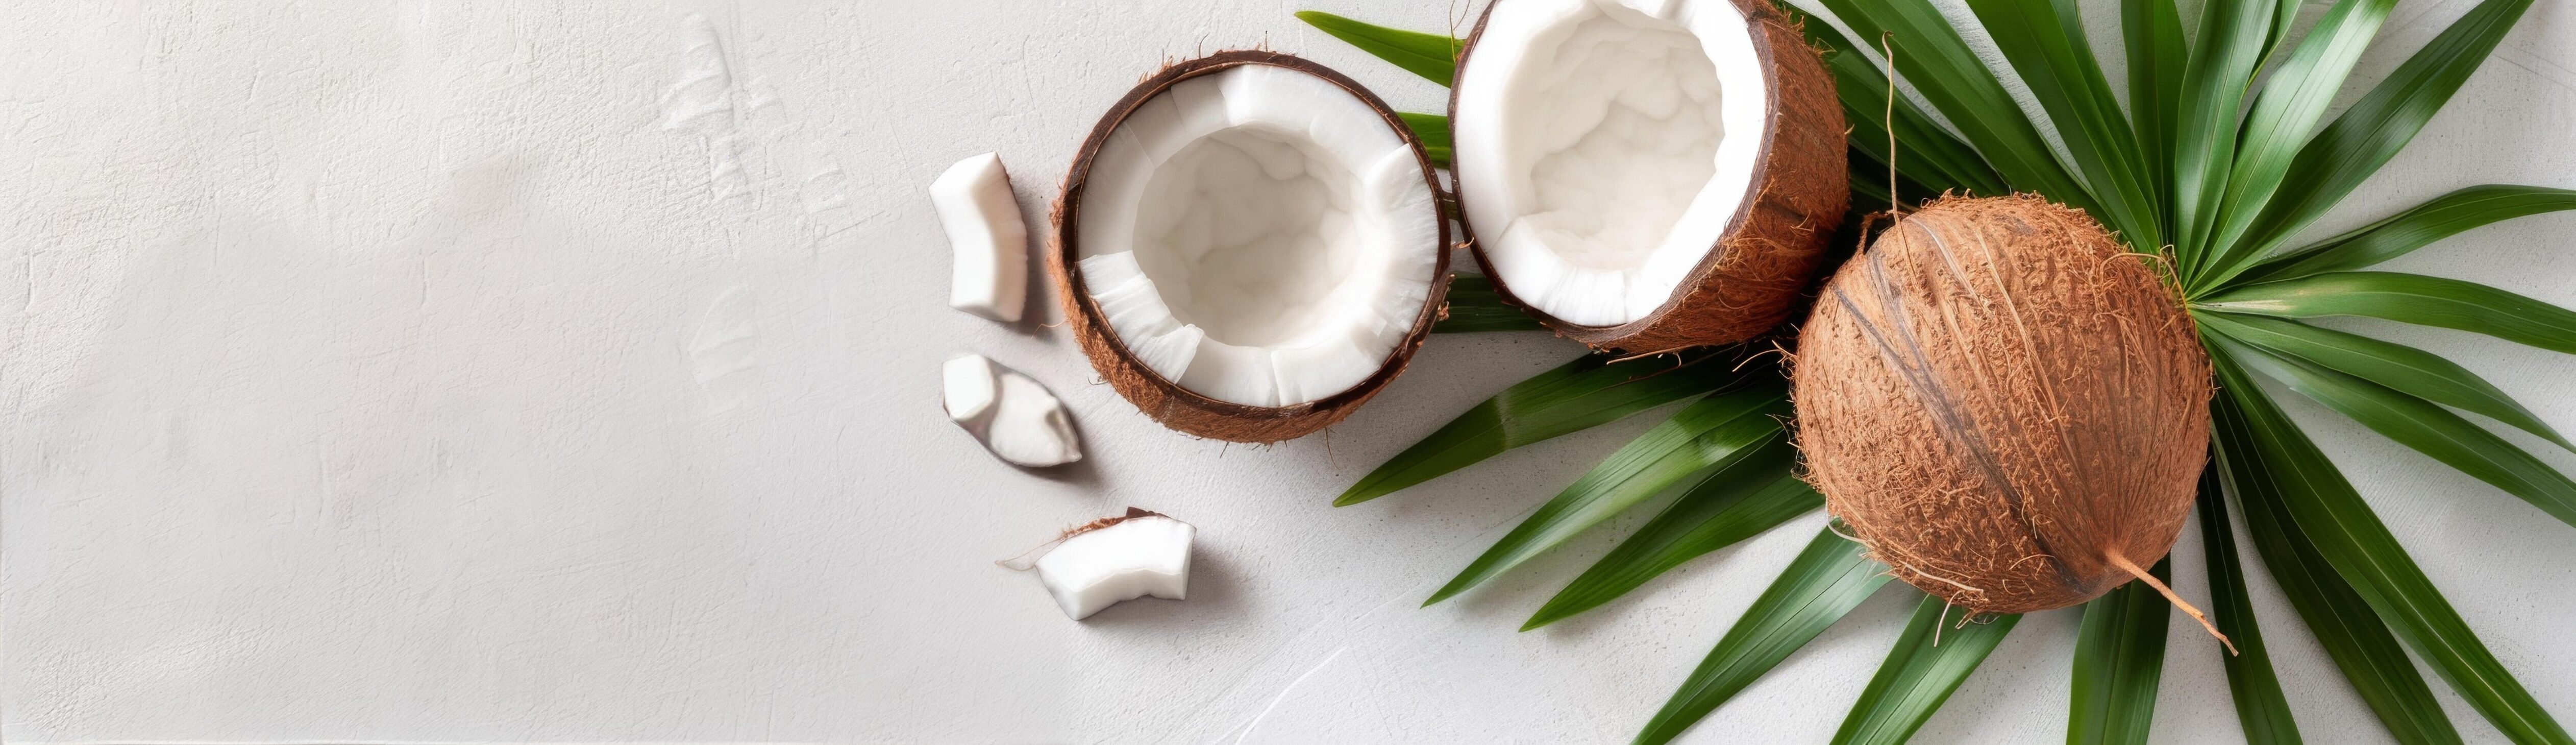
(530, 371)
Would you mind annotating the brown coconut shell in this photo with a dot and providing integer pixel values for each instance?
(1773, 247)
(1166, 401)
(2008, 408)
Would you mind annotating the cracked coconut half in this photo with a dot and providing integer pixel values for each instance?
(1647, 175)
(1249, 246)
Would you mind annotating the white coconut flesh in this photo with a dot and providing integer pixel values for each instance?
(1603, 146)
(988, 242)
(1013, 415)
(1258, 236)
(1140, 556)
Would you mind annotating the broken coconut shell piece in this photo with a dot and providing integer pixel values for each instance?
(1015, 417)
(1114, 559)
(987, 240)
(1647, 175)
(1249, 246)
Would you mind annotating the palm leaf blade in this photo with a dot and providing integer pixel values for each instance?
(2407, 298)
(1432, 56)
(1474, 306)
(2313, 496)
(2261, 709)
(2366, 135)
(1929, 155)
(2232, 41)
(1728, 505)
(2443, 217)
(2119, 659)
(1590, 391)
(1919, 674)
(1827, 580)
(1433, 130)
(2293, 99)
(2412, 371)
(1712, 432)
(2152, 30)
(2342, 622)
(2427, 428)
(2044, 40)
(1931, 55)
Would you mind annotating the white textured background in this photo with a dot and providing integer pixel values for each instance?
(514, 371)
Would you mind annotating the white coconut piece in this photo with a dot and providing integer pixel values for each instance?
(1116, 559)
(1603, 147)
(1259, 236)
(1015, 417)
(987, 238)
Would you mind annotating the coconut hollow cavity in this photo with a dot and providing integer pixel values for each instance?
(1250, 245)
(1647, 175)
(2007, 408)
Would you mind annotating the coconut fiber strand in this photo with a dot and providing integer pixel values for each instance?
(2004, 405)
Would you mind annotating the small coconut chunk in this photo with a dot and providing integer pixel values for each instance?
(990, 242)
(1014, 416)
(1115, 559)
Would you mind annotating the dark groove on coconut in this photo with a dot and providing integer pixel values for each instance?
(1166, 401)
(2014, 426)
(1910, 361)
(1758, 273)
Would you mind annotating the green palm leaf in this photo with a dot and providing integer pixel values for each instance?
(2407, 298)
(2292, 101)
(2408, 370)
(2284, 13)
(2152, 30)
(2348, 151)
(2192, 165)
(2416, 423)
(2406, 231)
(2261, 709)
(1827, 580)
(2119, 658)
(2232, 41)
(1919, 673)
(1433, 130)
(1710, 433)
(1931, 56)
(1474, 306)
(1432, 56)
(1728, 505)
(2353, 636)
(2044, 41)
(1929, 156)
(2350, 538)
(1588, 392)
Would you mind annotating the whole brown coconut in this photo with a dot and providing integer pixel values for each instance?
(2009, 409)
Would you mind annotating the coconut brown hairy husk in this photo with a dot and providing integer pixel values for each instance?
(2009, 409)
(1773, 246)
(1166, 401)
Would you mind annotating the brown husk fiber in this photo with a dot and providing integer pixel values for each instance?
(2004, 406)
(1167, 402)
(1773, 246)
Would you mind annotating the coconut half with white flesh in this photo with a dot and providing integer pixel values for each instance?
(1647, 175)
(1250, 245)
